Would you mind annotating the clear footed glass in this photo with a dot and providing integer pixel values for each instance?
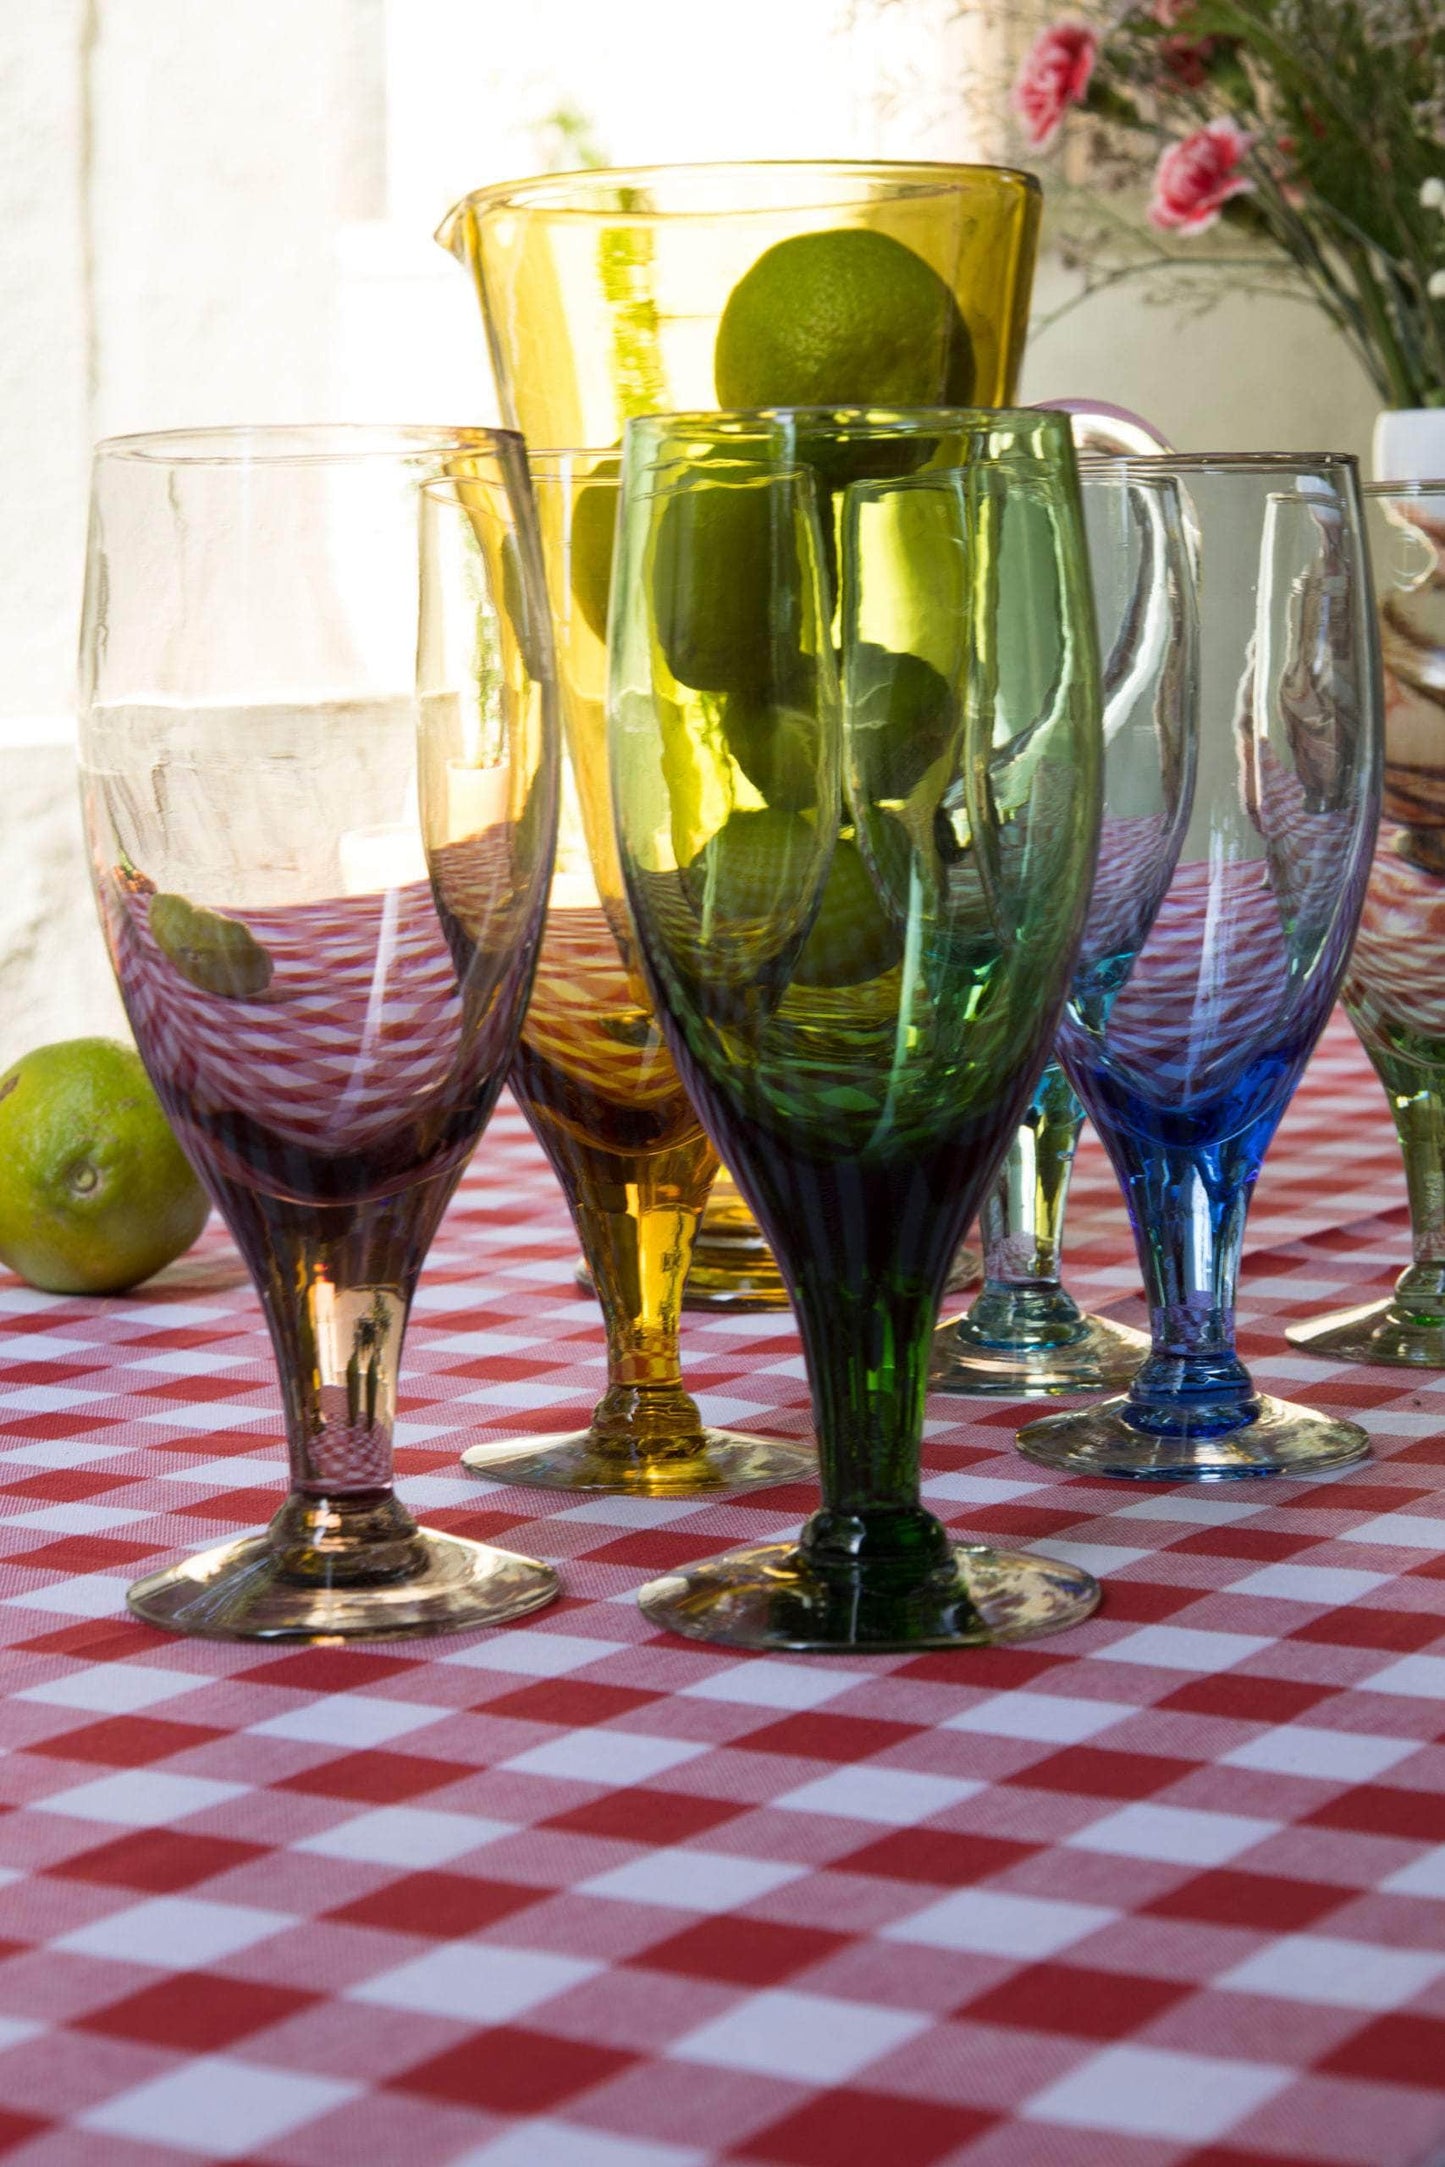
(322, 899)
(606, 295)
(1025, 1337)
(1186, 1045)
(1395, 984)
(858, 898)
(343, 1566)
(593, 1075)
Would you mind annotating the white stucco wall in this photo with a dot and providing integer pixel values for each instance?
(224, 214)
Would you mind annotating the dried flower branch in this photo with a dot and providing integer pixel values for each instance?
(1312, 128)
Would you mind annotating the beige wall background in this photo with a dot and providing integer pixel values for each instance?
(221, 214)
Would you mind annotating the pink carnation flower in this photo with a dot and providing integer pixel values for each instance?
(1167, 12)
(1054, 76)
(1196, 178)
(1186, 61)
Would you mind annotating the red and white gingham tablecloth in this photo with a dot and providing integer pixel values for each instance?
(1166, 1891)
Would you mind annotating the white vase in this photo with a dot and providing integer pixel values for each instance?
(1410, 444)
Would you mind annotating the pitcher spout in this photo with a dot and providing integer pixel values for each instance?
(457, 233)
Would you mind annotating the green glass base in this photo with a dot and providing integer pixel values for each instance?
(1379, 1332)
(245, 1591)
(1282, 1440)
(770, 1596)
(584, 1460)
(1102, 1357)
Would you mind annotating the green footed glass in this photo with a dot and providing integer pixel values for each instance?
(1394, 984)
(856, 771)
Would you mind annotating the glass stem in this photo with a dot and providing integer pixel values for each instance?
(336, 1284)
(1420, 1125)
(638, 1235)
(1188, 1208)
(1022, 1303)
(867, 1354)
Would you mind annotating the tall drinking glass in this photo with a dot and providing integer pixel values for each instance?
(322, 904)
(1395, 984)
(610, 294)
(857, 906)
(1187, 1064)
(592, 1072)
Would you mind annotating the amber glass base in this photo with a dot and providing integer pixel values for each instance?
(353, 1568)
(771, 1596)
(704, 1459)
(732, 1265)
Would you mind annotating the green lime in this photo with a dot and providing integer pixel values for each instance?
(95, 1192)
(216, 953)
(753, 863)
(848, 317)
(594, 521)
(724, 612)
(778, 748)
(758, 860)
(903, 714)
(853, 937)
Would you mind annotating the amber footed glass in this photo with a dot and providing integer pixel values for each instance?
(614, 293)
(595, 1080)
(322, 900)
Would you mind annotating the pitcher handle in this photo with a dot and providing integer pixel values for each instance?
(1117, 430)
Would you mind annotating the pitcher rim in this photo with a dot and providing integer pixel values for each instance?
(531, 191)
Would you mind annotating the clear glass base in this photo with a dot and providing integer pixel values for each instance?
(352, 1568)
(1101, 1357)
(1379, 1332)
(588, 1460)
(1282, 1439)
(732, 1266)
(771, 1596)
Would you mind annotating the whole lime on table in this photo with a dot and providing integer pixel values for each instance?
(95, 1192)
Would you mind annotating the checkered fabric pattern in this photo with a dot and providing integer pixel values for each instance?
(1165, 1891)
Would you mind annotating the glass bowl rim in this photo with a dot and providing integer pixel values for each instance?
(302, 443)
(848, 420)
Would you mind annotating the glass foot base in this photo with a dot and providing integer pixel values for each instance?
(966, 1270)
(715, 1460)
(738, 1272)
(769, 1596)
(1282, 1440)
(733, 1270)
(1104, 1356)
(244, 1591)
(1379, 1332)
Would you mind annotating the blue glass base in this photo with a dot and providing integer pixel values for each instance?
(1282, 1439)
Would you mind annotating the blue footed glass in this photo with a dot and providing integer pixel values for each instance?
(1186, 1050)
